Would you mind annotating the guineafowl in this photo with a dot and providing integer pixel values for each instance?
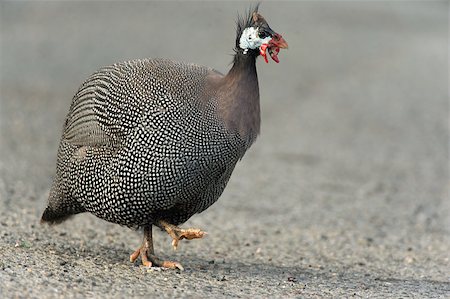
(151, 142)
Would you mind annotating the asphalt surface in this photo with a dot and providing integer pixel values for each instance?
(345, 193)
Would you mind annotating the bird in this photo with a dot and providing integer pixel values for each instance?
(151, 142)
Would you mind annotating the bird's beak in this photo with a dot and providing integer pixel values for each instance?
(275, 44)
(278, 41)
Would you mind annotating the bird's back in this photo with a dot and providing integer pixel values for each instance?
(113, 100)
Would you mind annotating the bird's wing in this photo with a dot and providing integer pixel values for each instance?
(105, 108)
(82, 126)
(116, 99)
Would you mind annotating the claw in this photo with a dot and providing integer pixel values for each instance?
(135, 255)
(172, 265)
(175, 244)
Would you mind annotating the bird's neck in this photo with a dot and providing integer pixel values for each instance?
(239, 103)
(244, 65)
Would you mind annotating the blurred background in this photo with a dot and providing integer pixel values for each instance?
(352, 161)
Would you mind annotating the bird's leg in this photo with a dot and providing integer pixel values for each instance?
(145, 249)
(147, 253)
(178, 234)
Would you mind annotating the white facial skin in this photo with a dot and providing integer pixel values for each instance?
(250, 39)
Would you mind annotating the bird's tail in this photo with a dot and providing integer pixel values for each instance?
(51, 216)
(60, 207)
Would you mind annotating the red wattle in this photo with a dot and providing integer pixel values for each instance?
(262, 51)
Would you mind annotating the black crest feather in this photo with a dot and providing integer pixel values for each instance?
(244, 22)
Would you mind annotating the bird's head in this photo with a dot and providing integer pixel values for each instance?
(255, 37)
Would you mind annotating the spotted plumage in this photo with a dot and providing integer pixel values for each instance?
(136, 148)
(153, 142)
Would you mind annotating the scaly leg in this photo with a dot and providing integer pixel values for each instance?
(178, 234)
(147, 253)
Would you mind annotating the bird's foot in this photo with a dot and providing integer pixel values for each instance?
(178, 234)
(149, 259)
(147, 254)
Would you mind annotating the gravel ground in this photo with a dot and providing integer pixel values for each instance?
(345, 193)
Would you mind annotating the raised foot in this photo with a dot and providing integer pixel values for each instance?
(149, 259)
(178, 234)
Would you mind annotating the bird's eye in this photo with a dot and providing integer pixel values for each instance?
(262, 34)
